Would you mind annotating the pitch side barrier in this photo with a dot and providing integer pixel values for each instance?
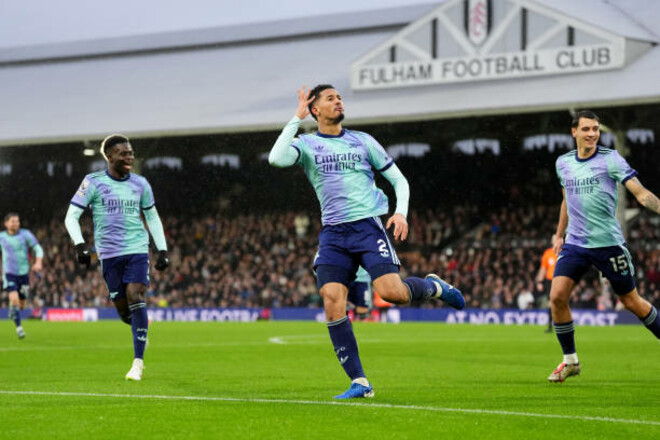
(392, 315)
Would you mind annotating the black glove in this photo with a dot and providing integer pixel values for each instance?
(84, 257)
(163, 261)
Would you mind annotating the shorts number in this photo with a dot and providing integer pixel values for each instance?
(620, 264)
(25, 290)
(382, 248)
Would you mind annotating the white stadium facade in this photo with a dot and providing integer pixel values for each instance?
(442, 61)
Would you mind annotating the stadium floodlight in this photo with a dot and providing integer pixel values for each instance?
(89, 152)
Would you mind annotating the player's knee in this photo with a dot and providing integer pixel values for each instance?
(125, 317)
(330, 294)
(633, 302)
(558, 302)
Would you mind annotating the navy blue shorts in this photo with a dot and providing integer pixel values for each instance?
(17, 283)
(359, 294)
(122, 270)
(344, 247)
(614, 262)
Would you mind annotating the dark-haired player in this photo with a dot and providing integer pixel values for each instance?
(589, 234)
(118, 199)
(16, 244)
(340, 165)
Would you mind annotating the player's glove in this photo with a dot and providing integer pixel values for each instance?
(163, 261)
(84, 257)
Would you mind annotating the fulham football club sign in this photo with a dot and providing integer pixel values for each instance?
(478, 40)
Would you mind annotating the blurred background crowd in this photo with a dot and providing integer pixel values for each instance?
(246, 236)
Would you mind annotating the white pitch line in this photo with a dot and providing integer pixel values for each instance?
(335, 403)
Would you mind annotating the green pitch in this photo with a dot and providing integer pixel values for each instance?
(277, 379)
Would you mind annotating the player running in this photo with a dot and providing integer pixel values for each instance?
(17, 244)
(117, 199)
(589, 177)
(338, 164)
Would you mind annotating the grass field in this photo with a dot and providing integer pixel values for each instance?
(277, 379)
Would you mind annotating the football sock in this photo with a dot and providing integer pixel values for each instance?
(652, 322)
(566, 334)
(346, 349)
(15, 315)
(139, 326)
(420, 289)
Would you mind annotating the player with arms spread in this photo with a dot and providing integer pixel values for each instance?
(589, 234)
(338, 163)
(118, 199)
(16, 244)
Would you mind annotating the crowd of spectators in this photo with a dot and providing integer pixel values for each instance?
(266, 260)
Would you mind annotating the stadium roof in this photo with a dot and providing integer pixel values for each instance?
(244, 78)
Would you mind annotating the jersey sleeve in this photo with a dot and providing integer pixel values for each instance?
(85, 194)
(298, 145)
(618, 168)
(147, 200)
(558, 171)
(33, 244)
(378, 157)
(30, 239)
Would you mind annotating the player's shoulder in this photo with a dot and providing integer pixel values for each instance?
(602, 151)
(24, 231)
(137, 178)
(96, 176)
(358, 134)
(568, 156)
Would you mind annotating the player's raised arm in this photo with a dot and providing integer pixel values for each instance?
(283, 154)
(645, 197)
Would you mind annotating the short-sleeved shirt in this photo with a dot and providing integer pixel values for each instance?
(340, 168)
(116, 210)
(590, 187)
(15, 251)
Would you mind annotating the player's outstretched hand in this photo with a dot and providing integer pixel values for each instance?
(163, 261)
(400, 226)
(303, 103)
(84, 257)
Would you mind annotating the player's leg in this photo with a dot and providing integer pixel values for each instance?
(381, 261)
(547, 284)
(616, 265)
(359, 294)
(121, 304)
(136, 277)
(113, 270)
(571, 266)
(333, 281)
(644, 310)
(560, 293)
(15, 313)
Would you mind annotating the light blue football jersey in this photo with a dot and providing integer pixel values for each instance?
(340, 168)
(590, 186)
(15, 251)
(116, 207)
